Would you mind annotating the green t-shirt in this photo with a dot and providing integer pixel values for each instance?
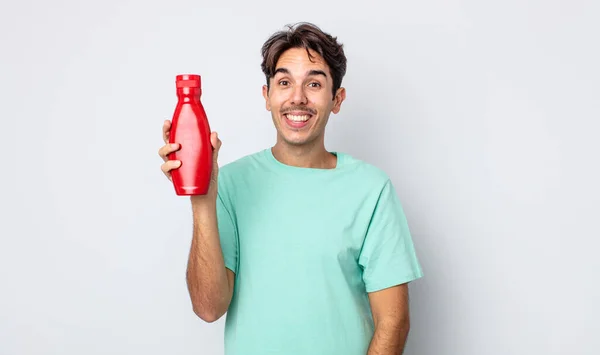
(306, 246)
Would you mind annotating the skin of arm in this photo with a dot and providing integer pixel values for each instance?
(210, 283)
(391, 318)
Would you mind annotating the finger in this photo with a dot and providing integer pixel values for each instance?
(168, 175)
(214, 140)
(219, 143)
(216, 143)
(165, 150)
(166, 131)
(170, 165)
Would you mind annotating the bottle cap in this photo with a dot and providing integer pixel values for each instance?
(187, 81)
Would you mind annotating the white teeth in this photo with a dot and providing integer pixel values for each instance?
(298, 118)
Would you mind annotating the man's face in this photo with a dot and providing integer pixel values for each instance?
(300, 97)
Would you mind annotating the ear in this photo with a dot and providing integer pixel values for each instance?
(340, 96)
(265, 92)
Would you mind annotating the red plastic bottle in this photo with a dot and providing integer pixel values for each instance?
(191, 130)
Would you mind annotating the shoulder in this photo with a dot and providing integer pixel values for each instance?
(364, 171)
(242, 165)
(241, 173)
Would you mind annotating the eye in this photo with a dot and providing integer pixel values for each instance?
(283, 82)
(315, 84)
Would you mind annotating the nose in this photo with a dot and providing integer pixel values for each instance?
(299, 96)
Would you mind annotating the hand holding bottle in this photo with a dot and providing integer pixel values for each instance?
(209, 282)
(170, 165)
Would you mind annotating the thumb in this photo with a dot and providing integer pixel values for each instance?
(216, 144)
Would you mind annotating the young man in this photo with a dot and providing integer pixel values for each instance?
(308, 251)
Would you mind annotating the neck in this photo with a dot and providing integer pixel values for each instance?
(304, 156)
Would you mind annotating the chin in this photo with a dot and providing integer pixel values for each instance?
(296, 140)
(293, 141)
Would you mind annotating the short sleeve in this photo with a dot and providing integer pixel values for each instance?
(388, 256)
(227, 235)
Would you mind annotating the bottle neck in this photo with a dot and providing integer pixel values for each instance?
(188, 94)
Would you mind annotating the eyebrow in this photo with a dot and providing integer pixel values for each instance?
(317, 72)
(310, 73)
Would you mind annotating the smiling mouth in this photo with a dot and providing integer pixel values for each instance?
(303, 117)
(297, 120)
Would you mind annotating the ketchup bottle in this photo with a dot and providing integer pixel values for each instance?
(191, 130)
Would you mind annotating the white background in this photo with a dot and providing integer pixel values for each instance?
(484, 113)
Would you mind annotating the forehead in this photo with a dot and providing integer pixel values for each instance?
(297, 59)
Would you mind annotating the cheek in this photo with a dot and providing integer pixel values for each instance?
(321, 106)
(275, 99)
(321, 101)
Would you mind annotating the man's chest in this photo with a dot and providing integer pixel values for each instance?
(303, 227)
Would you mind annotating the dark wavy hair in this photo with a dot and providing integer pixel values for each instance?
(309, 36)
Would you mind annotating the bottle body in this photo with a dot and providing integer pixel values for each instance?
(191, 130)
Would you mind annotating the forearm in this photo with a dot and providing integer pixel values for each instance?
(389, 338)
(206, 274)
